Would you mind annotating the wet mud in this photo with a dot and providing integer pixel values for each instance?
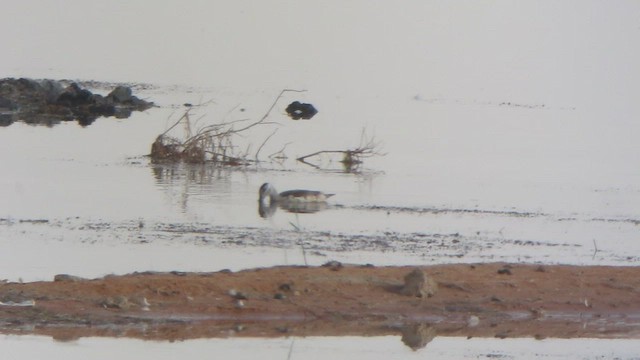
(473, 300)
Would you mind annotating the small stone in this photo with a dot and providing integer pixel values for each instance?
(142, 302)
(118, 302)
(120, 94)
(473, 321)
(279, 296)
(418, 283)
(237, 294)
(504, 271)
(67, 278)
(333, 265)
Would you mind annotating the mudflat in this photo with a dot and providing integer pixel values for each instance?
(473, 300)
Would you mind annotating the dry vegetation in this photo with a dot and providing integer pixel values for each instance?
(351, 158)
(217, 143)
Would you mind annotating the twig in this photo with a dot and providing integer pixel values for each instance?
(280, 153)
(264, 142)
(186, 114)
(291, 349)
(266, 115)
(304, 254)
(303, 158)
(276, 101)
(310, 164)
(595, 249)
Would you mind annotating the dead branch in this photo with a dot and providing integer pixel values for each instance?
(264, 142)
(303, 158)
(214, 140)
(351, 158)
(279, 155)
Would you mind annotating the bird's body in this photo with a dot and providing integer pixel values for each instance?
(268, 192)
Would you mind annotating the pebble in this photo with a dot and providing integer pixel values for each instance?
(418, 283)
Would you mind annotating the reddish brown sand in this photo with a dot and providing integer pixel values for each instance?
(481, 300)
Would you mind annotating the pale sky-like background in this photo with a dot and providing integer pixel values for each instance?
(565, 53)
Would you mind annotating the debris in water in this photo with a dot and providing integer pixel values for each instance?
(298, 110)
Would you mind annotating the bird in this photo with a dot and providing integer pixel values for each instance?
(267, 191)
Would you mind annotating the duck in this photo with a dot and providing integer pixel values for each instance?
(291, 197)
(293, 201)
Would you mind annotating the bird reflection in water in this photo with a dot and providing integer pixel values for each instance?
(294, 201)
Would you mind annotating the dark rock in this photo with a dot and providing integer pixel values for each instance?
(7, 104)
(285, 287)
(73, 95)
(7, 109)
(52, 89)
(298, 110)
(121, 94)
(68, 278)
(333, 265)
(49, 101)
(6, 119)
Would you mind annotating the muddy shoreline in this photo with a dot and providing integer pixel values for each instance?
(473, 300)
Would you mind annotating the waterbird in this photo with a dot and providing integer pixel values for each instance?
(291, 197)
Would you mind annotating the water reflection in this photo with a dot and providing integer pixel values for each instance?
(335, 348)
(183, 183)
(417, 336)
(268, 209)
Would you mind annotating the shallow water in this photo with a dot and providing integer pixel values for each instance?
(510, 134)
(82, 194)
(379, 347)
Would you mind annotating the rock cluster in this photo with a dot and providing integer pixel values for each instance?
(51, 101)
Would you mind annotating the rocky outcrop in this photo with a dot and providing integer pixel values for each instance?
(51, 101)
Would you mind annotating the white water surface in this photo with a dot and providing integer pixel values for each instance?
(347, 347)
